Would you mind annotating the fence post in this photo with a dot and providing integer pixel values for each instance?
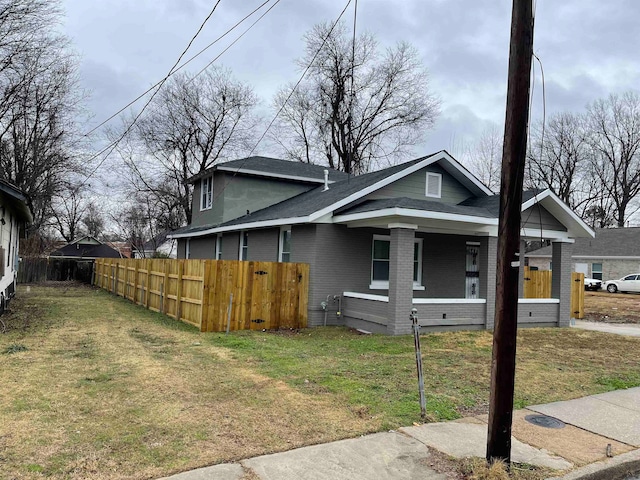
(135, 282)
(204, 315)
(147, 292)
(179, 289)
(166, 283)
(115, 279)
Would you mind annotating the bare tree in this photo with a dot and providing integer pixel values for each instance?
(614, 136)
(193, 123)
(357, 106)
(68, 209)
(484, 157)
(93, 220)
(39, 104)
(559, 159)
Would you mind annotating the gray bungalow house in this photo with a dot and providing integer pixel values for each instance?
(420, 234)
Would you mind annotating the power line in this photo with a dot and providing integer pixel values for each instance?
(179, 68)
(234, 42)
(114, 144)
(324, 41)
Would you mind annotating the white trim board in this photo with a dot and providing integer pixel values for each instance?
(448, 301)
(366, 296)
(538, 300)
(260, 173)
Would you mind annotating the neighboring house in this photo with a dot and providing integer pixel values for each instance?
(74, 261)
(14, 214)
(158, 246)
(421, 234)
(612, 254)
(123, 248)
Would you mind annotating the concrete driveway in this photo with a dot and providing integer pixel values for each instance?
(629, 329)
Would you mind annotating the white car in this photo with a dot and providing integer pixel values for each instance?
(628, 283)
(592, 284)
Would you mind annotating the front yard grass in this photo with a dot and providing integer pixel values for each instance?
(95, 387)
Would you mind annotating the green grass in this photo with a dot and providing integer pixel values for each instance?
(101, 388)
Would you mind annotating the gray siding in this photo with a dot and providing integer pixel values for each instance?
(230, 246)
(263, 245)
(444, 264)
(182, 245)
(250, 193)
(339, 259)
(451, 316)
(537, 315)
(202, 247)
(538, 217)
(214, 215)
(368, 315)
(414, 186)
(233, 196)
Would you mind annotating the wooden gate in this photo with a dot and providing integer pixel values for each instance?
(537, 284)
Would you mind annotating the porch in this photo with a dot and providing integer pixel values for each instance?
(368, 312)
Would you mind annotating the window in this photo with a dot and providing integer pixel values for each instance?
(380, 263)
(206, 193)
(596, 271)
(244, 245)
(434, 185)
(284, 250)
(219, 247)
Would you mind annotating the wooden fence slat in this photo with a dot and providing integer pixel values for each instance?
(266, 295)
(537, 284)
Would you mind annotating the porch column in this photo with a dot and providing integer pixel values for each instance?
(561, 280)
(521, 270)
(490, 280)
(400, 278)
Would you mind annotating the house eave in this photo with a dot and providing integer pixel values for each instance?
(452, 164)
(550, 201)
(241, 226)
(398, 212)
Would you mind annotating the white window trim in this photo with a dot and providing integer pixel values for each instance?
(208, 179)
(242, 245)
(426, 187)
(218, 252)
(283, 229)
(384, 284)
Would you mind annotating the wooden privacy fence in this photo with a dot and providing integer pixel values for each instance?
(212, 294)
(537, 284)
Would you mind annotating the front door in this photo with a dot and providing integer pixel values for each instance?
(472, 286)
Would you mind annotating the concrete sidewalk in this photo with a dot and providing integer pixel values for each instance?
(593, 426)
(629, 329)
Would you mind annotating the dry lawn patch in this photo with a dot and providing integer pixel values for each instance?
(603, 306)
(96, 387)
(108, 390)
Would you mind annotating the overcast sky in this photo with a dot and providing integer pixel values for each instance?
(589, 48)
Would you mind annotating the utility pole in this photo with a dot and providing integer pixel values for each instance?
(513, 163)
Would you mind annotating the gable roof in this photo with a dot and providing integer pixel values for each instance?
(315, 203)
(77, 249)
(608, 242)
(343, 196)
(275, 168)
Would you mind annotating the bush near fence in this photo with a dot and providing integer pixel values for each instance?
(213, 294)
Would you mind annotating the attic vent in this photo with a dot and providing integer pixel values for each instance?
(434, 185)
